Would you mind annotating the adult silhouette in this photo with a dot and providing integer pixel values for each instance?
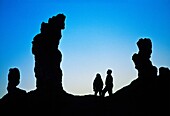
(108, 83)
(98, 85)
(15, 100)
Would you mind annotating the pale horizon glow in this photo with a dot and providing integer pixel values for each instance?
(98, 36)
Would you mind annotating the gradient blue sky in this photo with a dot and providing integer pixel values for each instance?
(99, 34)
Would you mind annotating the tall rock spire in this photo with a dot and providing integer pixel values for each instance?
(47, 55)
(143, 64)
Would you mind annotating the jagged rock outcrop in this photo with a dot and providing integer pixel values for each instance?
(16, 98)
(47, 55)
(149, 94)
(146, 70)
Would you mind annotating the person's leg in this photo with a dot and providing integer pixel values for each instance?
(100, 92)
(110, 91)
(95, 93)
(104, 91)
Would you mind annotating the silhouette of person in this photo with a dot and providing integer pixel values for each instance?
(98, 85)
(15, 100)
(108, 83)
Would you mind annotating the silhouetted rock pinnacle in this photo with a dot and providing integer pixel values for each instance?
(16, 98)
(47, 55)
(142, 60)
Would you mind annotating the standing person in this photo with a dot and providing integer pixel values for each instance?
(98, 85)
(108, 83)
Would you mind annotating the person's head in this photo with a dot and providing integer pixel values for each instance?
(109, 71)
(14, 76)
(98, 75)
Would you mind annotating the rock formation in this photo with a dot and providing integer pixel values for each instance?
(146, 70)
(47, 55)
(148, 95)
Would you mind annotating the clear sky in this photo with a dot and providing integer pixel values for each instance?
(99, 34)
